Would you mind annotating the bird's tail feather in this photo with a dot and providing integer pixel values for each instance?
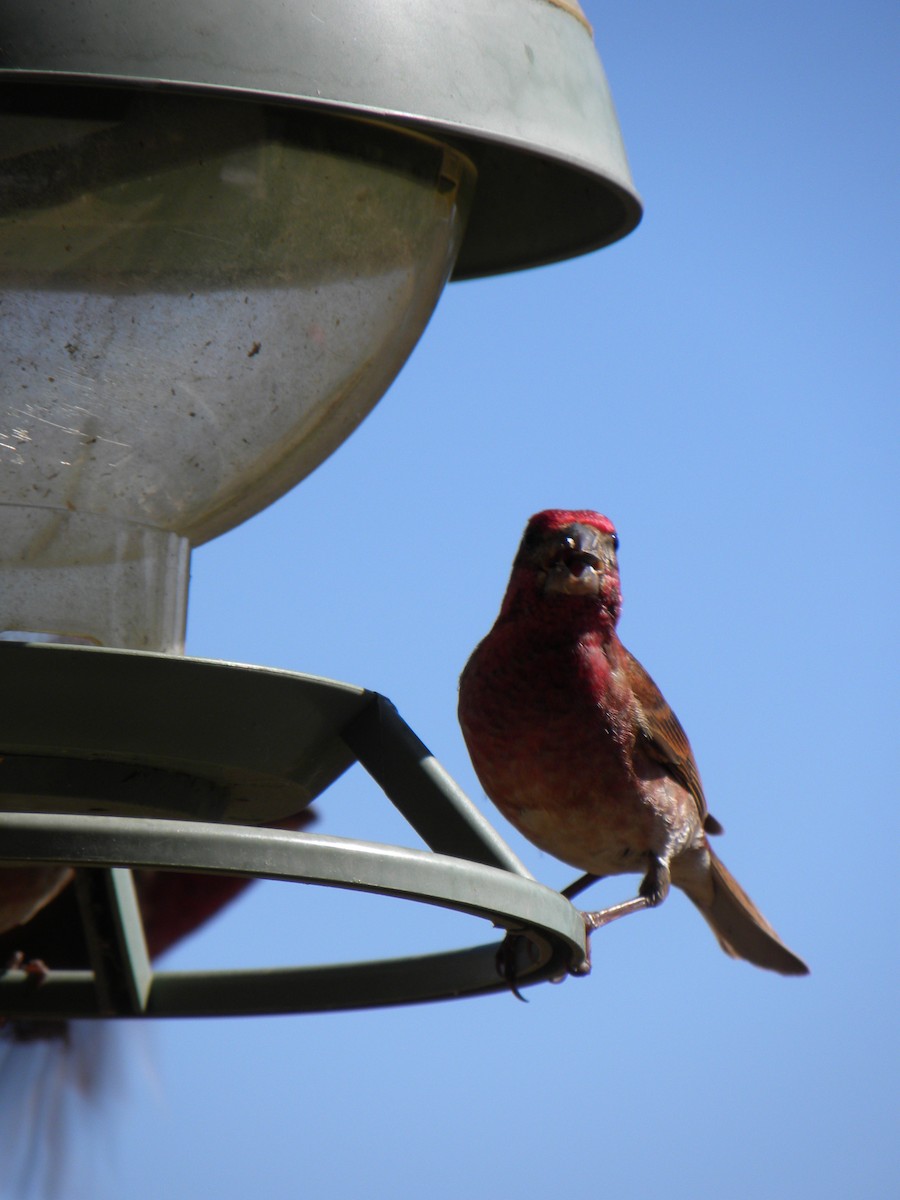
(54, 1078)
(742, 930)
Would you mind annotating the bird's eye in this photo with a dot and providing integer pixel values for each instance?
(615, 541)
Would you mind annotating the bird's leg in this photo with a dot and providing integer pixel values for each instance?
(580, 885)
(653, 890)
(596, 920)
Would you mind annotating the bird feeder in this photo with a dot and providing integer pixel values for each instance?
(222, 231)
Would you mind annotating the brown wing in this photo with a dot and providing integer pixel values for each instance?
(664, 740)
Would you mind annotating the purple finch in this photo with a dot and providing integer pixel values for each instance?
(574, 743)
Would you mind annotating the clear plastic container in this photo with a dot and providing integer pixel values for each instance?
(200, 298)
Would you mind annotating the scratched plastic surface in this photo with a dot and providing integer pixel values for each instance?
(200, 299)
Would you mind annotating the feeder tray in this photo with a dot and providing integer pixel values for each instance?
(113, 760)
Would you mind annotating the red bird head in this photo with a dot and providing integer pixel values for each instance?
(566, 557)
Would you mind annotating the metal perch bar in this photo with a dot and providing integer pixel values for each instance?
(504, 898)
(186, 776)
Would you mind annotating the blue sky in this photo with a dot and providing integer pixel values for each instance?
(723, 385)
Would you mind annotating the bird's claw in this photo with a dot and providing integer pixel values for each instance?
(511, 949)
(35, 968)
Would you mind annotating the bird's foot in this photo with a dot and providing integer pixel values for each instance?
(655, 884)
(35, 968)
(515, 950)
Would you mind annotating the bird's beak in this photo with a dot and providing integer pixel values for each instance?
(576, 559)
